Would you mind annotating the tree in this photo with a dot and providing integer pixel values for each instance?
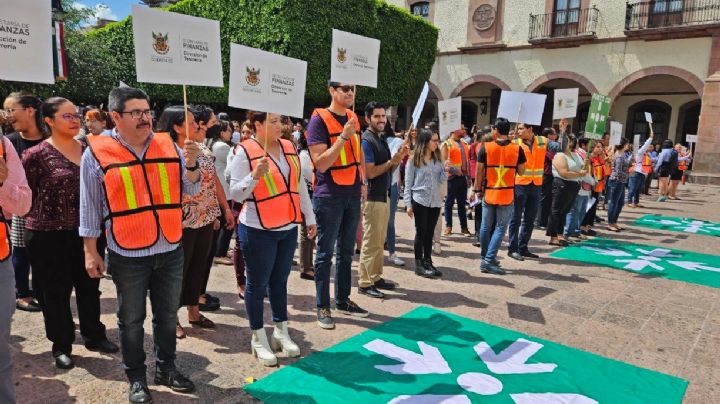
(74, 17)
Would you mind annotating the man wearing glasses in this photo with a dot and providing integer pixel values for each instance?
(334, 145)
(133, 181)
(528, 188)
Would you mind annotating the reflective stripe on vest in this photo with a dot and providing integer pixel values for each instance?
(535, 161)
(500, 170)
(276, 197)
(143, 195)
(599, 173)
(345, 169)
(5, 248)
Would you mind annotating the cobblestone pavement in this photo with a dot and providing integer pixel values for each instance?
(668, 326)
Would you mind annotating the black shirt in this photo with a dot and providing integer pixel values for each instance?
(21, 144)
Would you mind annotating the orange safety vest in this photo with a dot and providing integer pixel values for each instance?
(144, 196)
(535, 164)
(598, 164)
(455, 155)
(682, 165)
(346, 168)
(276, 198)
(5, 248)
(647, 166)
(500, 169)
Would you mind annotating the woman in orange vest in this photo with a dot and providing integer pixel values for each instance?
(266, 176)
(597, 160)
(54, 245)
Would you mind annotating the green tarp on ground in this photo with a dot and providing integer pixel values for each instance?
(649, 260)
(430, 356)
(679, 224)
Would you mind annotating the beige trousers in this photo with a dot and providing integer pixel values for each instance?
(375, 224)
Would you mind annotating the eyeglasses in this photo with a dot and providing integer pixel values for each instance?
(11, 110)
(71, 117)
(136, 113)
(345, 89)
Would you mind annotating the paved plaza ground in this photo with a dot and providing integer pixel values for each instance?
(664, 325)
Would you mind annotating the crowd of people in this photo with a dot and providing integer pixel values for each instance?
(158, 201)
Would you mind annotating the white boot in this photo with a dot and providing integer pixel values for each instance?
(280, 341)
(260, 348)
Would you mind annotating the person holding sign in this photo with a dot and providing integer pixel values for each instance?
(457, 151)
(684, 158)
(334, 144)
(15, 199)
(379, 167)
(497, 165)
(641, 168)
(568, 172)
(621, 160)
(527, 192)
(143, 222)
(266, 176)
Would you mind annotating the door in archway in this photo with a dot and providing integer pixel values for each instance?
(637, 125)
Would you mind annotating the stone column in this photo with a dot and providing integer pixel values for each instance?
(706, 164)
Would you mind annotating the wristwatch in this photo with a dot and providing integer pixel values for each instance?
(194, 168)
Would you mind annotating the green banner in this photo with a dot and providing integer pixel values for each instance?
(430, 356)
(597, 117)
(678, 265)
(681, 224)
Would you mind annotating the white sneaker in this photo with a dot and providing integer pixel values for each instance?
(393, 258)
(437, 248)
(260, 348)
(280, 341)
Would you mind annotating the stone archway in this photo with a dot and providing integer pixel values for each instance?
(693, 80)
(578, 78)
(480, 78)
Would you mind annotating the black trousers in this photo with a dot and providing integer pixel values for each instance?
(425, 220)
(589, 219)
(196, 248)
(545, 200)
(564, 193)
(58, 264)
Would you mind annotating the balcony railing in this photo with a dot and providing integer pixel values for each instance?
(652, 14)
(563, 24)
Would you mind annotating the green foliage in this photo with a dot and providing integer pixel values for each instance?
(299, 29)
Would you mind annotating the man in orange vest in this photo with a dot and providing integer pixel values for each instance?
(334, 143)
(457, 152)
(133, 181)
(498, 164)
(15, 199)
(642, 166)
(528, 188)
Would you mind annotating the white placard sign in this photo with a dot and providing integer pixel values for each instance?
(26, 52)
(691, 138)
(528, 107)
(354, 59)
(172, 48)
(449, 116)
(648, 117)
(268, 82)
(420, 105)
(636, 143)
(565, 103)
(615, 133)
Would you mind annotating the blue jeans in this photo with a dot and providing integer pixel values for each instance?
(616, 199)
(21, 263)
(7, 307)
(575, 216)
(337, 221)
(390, 238)
(457, 192)
(161, 274)
(635, 187)
(526, 204)
(267, 270)
(490, 239)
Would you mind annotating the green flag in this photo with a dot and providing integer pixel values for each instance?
(430, 356)
(597, 117)
(680, 224)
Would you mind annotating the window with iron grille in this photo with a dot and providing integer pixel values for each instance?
(421, 9)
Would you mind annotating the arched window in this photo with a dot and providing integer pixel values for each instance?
(637, 125)
(421, 8)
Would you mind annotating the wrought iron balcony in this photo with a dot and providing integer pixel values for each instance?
(662, 14)
(563, 25)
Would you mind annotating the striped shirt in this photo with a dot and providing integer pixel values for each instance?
(93, 206)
